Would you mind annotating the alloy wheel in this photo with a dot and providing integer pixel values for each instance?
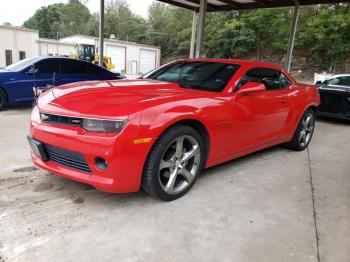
(179, 164)
(307, 129)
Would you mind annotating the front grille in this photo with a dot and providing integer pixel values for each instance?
(61, 120)
(67, 158)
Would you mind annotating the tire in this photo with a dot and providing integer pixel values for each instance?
(2, 99)
(304, 132)
(173, 163)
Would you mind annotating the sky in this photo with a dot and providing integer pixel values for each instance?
(17, 11)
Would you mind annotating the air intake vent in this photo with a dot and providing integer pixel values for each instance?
(67, 158)
(61, 120)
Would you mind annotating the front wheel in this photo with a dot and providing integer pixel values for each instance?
(304, 132)
(173, 163)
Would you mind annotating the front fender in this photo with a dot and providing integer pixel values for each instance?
(153, 124)
(214, 115)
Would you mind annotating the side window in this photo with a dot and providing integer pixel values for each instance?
(73, 67)
(338, 81)
(172, 74)
(272, 79)
(48, 66)
(333, 81)
(92, 69)
(285, 82)
(346, 81)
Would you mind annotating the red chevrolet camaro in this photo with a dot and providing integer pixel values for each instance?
(160, 131)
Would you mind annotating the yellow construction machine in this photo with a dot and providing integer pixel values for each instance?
(87, 53)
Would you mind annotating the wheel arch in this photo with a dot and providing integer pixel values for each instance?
(6, 94)
(196, 125)
(313, 107)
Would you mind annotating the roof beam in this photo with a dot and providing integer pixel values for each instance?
(171, 2)
(262, 2)
(255, 5)
(210, 7)
(231, 3)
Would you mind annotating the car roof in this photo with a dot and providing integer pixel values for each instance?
(39, 58)
(59, 57)
(250, 63)
(338, 75)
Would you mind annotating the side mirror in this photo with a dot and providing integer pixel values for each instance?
(318, 82)
(251, 88)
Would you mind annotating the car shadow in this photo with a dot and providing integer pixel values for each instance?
(241, 160)
(15, 109)
(48, 188)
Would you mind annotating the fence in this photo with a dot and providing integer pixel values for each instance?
(316, 66)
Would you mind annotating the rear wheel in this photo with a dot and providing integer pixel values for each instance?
(173, 163)
(2, 99)
(304, 132)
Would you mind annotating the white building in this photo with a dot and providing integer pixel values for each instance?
(19, 43)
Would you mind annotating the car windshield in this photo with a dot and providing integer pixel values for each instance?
(206, 76)
(20, 65)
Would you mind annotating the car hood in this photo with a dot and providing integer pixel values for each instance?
(4, 74)
(108, 98)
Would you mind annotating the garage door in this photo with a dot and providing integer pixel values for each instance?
(118, 55)
(147, 60)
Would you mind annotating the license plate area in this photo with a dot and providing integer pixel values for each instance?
(38, 148)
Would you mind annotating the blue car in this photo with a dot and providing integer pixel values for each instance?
(17, 80)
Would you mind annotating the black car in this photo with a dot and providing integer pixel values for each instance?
(335, 97)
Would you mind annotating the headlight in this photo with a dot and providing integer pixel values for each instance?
(108, 126)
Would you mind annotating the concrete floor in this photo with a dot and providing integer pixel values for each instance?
(257, 208)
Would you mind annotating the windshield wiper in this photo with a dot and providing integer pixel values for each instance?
(185, 86)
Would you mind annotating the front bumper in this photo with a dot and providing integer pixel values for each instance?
(125, 159)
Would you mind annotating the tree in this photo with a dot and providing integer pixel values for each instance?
(327, 35)
(323, 30)
(75, 18)
(47, 20)
(226, 36)
(170, 28)
(59, 20)
(122, 23)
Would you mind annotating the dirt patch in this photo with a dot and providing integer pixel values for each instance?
(25, 169)
(43, 187)
(79, 200)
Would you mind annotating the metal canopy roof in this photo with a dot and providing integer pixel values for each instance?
(226, 5)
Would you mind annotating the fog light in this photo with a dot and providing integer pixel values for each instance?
(101, 163)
